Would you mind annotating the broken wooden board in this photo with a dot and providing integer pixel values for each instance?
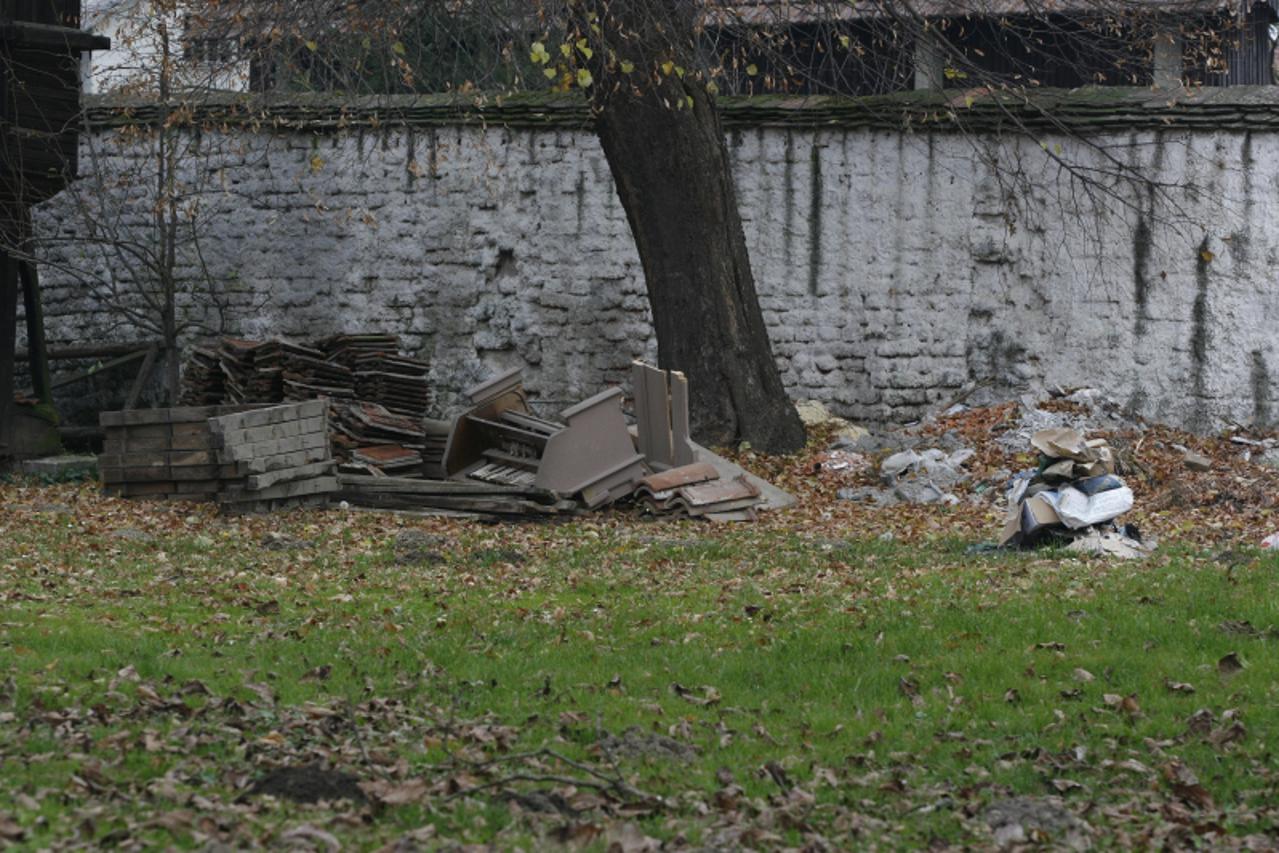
(661, 412)
(593, 456)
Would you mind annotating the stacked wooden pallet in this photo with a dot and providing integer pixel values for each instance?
(281, 456)
(163, 453)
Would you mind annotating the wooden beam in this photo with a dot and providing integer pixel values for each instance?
(8, 341)
(38, 353)
(73, 353)
(144, 374)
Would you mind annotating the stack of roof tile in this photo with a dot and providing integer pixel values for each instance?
(696, 491)
(202, 380)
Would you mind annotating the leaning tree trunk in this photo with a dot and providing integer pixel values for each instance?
(672, 172)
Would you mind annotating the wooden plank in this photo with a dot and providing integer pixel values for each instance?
(205, 472)
(199, 487)
(639, 390)
(140, 381)
(152, 459)
(74, 353)
(272, 432)
(682, 448)
(258, 482)
(144, 417)
(298, 488)
(33, 308)
(276, 447)
(96, 369)
(137, 490)
(192, 428)
(192, 442)
(8, 340)
(263, 464)
(407, 485)
(657, 416)
(161, 431)
(135, 475)
(273, 415)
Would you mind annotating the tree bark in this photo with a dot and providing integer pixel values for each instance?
(666, 149)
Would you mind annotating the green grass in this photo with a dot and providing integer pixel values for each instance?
(899, 688)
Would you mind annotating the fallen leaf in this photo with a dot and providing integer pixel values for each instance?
(705, 695)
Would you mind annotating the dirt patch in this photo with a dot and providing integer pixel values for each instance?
(502, 555)
(275, 541)
(1022, 820)
(637, 743)
(309, 784)
(416, 548)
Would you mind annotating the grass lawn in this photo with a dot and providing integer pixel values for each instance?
(614, 682)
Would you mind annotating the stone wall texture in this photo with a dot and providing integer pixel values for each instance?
(896, 270)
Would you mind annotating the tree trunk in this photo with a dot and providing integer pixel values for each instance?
(666, 149)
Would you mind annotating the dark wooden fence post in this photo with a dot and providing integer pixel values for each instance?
(38, 351)
(8, 347)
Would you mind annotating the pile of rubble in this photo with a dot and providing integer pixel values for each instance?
(1073, 498)
(379, 396)
(247, 458)
(498, 459)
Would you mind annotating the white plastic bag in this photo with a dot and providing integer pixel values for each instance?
(1079, 510)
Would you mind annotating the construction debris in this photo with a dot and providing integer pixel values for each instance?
(1072, 498)
(696, 491)
(380, 396)
(281, 456)
(163, 453)
(498, 460)
(453, 497)
(500, 440)
(916, 477)
(661, 412)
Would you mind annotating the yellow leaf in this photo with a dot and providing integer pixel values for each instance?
(845, 41)
(584, 78)
(627, 66)
(712, 87)
(550, 73)
(667, 67)
(312, 46)
(399, 48)
(584, 48)
(752, 69)
(317, 162)
(566, 50)
(1207, 256)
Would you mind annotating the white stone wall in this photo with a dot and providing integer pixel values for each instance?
(894, 270)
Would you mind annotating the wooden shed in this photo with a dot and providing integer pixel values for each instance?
(41, 45)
